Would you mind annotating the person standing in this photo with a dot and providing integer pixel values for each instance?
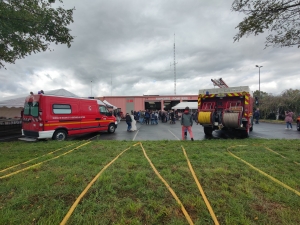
(147, 117)
(195, 117)
(118, 117)
(156, 118)
(133, 123)
(187, 123)
(256, 116)
(128, 121)
(22, 113)
(141, 117)
(288, 119)
(163, 114)
(172, 117)
(152, 118)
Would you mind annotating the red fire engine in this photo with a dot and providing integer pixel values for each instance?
(226, 108)
(57, 117)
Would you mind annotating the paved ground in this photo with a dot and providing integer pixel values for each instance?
(270, 131)
(166, 131)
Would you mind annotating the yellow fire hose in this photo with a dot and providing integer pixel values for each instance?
(204, 117)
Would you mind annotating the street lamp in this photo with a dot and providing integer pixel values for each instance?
(259, 78)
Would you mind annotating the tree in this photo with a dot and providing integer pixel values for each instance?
(29, 26)
(272, 106)
(291, 100)
(279, 17)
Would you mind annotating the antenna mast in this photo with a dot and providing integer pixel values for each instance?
(174, 63)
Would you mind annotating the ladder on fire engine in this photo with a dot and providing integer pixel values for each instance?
(220, 83)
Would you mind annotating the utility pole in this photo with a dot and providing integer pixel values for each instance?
(110, 85)
(174, 63)
(259, 77)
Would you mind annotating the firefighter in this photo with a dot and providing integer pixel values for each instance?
(256, 116)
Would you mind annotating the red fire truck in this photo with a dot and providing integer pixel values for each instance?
(57, 117)
(226, 108)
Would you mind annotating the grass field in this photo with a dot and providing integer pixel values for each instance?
(249, 181)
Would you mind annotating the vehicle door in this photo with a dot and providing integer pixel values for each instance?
(31, 118)
(91, 119)
(104, 116)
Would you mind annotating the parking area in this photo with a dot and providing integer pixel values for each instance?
(162, 131)
(166, 131)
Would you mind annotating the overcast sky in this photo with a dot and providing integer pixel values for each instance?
(126, 47)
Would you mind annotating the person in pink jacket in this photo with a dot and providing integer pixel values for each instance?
(288, 119)
(187, 123)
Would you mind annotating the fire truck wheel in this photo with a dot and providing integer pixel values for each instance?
(298, 126)
(60, 135)
(246, 133)
(208, 131)
(111, 128)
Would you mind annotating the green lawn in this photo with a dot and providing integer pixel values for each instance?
(249, 181)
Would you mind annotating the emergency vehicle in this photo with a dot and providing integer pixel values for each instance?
(226, 108)
(57, 117)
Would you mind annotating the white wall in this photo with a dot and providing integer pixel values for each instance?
(10, 112)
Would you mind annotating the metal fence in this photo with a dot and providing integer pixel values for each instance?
(10, 127)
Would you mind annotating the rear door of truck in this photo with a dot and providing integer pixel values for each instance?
(31, 117)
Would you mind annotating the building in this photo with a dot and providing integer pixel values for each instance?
(151, 102)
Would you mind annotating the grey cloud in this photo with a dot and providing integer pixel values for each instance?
(130, 43)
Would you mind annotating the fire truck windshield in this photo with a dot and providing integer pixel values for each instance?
(31, 109)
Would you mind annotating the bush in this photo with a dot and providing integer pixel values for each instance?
(271, 116)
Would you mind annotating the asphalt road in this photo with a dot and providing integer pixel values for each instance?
(271, 131)
(166, 131)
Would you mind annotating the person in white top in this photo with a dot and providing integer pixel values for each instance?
(133, 123)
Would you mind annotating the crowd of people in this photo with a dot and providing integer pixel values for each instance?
(152, 117)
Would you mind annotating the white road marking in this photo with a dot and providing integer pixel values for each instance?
(174, 135)
(135, 134)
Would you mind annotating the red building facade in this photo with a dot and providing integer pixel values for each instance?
(151, 102)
